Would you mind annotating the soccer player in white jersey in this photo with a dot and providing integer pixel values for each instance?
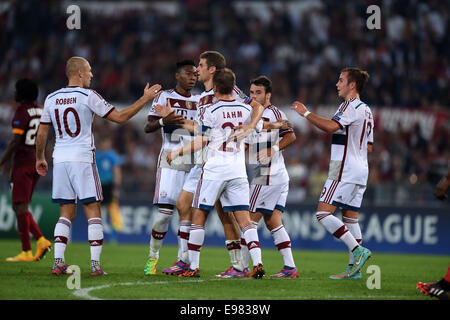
(170, 178)
(352, 127)
(224, 175)
(71, 111)
(270, 184)
(210, 61)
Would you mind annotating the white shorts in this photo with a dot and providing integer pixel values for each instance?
(233, 194)
(265, 199)
(191, 181)
(168, 185)
(74, 181)
(344, 195)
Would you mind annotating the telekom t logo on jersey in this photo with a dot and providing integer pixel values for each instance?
(74, 20)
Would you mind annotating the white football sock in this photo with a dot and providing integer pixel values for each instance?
(251, 238)
(283, 243)
(244, 252)
(61, 236)
(355, 229)
(183, 237)
(337, 228)
(95, 236)
(195, 243)
(234, 250)
(159, 230)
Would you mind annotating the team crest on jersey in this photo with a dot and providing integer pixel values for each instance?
(189, 105)
(163, 194)
(242, 95)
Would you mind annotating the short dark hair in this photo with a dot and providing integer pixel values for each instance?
(263, 81)
(26, 90)
(224, 80)
(214, 59)
(357, 75)
(181, 64)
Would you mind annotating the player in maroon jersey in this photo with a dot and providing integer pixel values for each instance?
(24, 177)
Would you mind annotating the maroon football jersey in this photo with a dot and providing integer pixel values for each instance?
(26, 123)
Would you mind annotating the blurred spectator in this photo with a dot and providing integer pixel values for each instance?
(298, 44)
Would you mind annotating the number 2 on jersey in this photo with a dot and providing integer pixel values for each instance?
(30, 137)
(224, 146)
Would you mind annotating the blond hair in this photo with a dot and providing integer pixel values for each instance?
(74, 64)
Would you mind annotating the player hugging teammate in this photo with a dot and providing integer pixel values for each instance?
(219, 126)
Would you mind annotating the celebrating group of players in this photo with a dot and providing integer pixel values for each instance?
(202, 164)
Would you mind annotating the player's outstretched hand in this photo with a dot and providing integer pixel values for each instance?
(173, 119)
(151, 92)
(299, 107)
(278, 125)
(286, 125)
(41, 167)
(163, 111)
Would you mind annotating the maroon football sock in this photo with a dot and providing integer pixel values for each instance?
(34, 228)
(23, 227)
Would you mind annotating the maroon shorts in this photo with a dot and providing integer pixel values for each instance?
(23, 181)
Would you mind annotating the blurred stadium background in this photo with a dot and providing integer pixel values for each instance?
(300, 45)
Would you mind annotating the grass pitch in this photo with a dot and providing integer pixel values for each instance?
(124, 264)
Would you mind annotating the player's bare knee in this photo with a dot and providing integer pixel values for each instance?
(184, 209)
(350, 214)
(255, 216)
(242, 218)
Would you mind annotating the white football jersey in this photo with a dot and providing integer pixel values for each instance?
(174, 137)
(274, 172)
(206, 99)
(348, 162)
(225, 160)
(71, 111)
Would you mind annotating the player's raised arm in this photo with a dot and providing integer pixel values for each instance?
(198, 143)
(127, 113)
(277, 125)
(242, 131)
(326, 125)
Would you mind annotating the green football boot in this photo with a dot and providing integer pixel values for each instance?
(150, 267)
(345, 275)
(360, 255)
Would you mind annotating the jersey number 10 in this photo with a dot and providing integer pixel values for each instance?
(71, 133)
